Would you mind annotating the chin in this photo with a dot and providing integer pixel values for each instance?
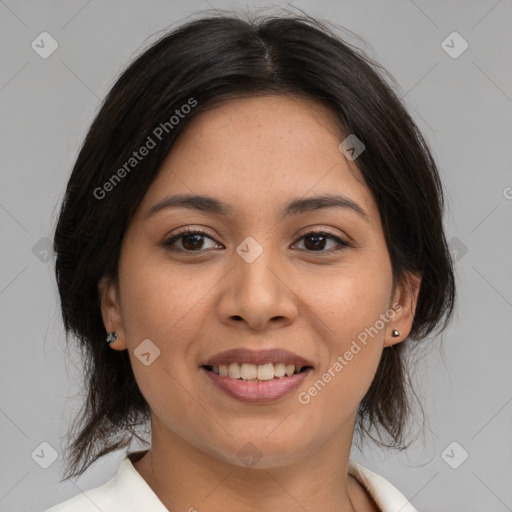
(261, 452)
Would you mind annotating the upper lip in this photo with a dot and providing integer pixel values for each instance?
(244, 355)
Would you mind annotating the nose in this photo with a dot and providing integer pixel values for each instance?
(257, 294)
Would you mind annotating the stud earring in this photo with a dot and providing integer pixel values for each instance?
(395, 333)
(112, 336)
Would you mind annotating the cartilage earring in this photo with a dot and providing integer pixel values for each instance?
(112, 336)
(395, 333)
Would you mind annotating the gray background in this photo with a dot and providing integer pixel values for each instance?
(463, 106)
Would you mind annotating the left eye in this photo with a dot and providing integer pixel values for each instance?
(319, 241)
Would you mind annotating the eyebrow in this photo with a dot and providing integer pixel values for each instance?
(292, 207)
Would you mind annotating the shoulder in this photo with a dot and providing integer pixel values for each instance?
(385, 495)
(89, 501)
(127, 491)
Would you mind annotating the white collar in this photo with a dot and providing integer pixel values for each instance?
(128, 491)
(387, 497)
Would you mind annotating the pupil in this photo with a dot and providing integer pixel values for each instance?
(196, 244)
(318, 242)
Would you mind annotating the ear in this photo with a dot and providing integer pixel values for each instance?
(404, 302)
(111, 312)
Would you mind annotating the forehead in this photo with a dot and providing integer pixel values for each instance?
(265, 148)
(282, 125)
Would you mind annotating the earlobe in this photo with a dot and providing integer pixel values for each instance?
(404, 304)
(111, 314)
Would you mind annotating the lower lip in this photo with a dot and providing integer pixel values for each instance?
(257, 391)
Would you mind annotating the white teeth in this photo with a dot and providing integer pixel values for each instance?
(290, 369)
(234, 371)
(248, 371)
(280, 370)
(266, 371)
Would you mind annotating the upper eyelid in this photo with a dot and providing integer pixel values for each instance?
(192, 231)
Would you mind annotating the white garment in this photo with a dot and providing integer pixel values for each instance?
(129, 492)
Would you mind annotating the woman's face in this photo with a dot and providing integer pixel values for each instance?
(274, 264)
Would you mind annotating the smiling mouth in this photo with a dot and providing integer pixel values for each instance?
(254, 372)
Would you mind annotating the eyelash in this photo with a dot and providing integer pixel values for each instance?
(189, 232)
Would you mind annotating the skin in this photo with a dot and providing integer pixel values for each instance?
(255, 155)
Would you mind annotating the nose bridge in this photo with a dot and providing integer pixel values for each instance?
(255, 270)
(256, 293)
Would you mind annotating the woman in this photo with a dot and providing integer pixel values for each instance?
(250, 243)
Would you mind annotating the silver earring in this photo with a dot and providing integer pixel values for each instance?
(112, 336)
(395, 333)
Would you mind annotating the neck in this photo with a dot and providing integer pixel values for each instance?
(185, 477)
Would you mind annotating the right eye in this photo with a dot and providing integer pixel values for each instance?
(190, 240)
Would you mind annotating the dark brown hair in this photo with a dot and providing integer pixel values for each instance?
(211, 60)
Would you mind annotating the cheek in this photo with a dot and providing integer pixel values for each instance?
(169, 306)
(165, 307)
(350, 301)
(351, 307)
(160, 301)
